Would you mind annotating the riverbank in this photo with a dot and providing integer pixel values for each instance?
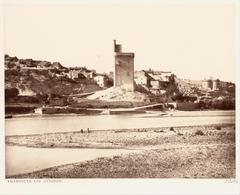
(177, 152)
(127, 137)
(97, 107)
(199, 161)
(172, 113)
(82, 106)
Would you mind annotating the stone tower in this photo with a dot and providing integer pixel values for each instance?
(124, 68)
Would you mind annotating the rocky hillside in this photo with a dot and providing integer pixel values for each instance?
(42, 82)
(33, 77)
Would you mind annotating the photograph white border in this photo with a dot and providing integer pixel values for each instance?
(118, 186)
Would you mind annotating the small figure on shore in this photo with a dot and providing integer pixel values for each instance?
(70, 139)
(88, 130)
(81, 130)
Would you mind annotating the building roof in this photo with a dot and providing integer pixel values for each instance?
(77, 68)
(44, 63)
(100, 75)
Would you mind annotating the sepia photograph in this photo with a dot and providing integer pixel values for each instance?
(119, 91)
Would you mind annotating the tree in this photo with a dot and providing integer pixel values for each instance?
(11, 93)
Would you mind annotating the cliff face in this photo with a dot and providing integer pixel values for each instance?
(41, 77)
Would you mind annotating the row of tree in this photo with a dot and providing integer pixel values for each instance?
(224, 104)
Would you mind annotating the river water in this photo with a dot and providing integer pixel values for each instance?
(67, 123)
(22, 159)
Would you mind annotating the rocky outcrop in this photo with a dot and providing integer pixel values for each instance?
(119, 94)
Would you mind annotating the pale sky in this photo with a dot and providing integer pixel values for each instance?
(193, 40)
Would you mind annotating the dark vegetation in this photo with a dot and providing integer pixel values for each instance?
(223, 104)
(19, 109)
(67, 110)
(199, 132)
(85, 103)
(11, 93)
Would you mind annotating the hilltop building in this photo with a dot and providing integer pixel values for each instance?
(155, 81)
(101, 80)
(81, 73)
(216, 85)
(142, 78)
(124, 69)
(211, 85)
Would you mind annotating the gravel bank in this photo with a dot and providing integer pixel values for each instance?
(182, 152)
(216, 161)
(128, 137)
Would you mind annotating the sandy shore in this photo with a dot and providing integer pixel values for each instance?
(181, 152)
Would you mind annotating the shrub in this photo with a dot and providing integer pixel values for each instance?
(11, 93)
(27, 99)
(171, 129)
(158, 131)
(180, 134)
(218, 128)
(199, 132)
